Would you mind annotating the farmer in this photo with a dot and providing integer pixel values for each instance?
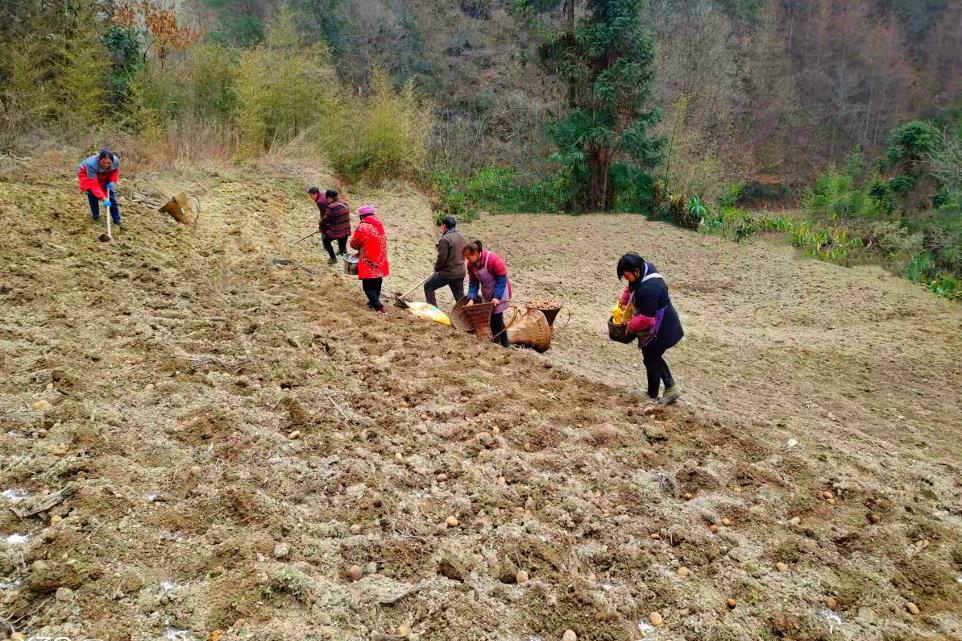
(449, 268)
(335, 222)
(98, 176)
(370, 241)
(655, 322)
(488, 275)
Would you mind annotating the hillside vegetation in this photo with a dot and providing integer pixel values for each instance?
(204, 435)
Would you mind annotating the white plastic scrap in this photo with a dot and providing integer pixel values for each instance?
(15, 494)
(832, 618)
(17, 539)
(790, 443)
(177, 635)
(646, 629)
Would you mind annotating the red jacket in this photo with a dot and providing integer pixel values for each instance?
(94, 179)
(370, 240)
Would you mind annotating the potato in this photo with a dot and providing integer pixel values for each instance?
(453, 521)
(656, 619)
(731, 603)
(569, 635)
(781, 567)
(354, 572)
(683, 571)
(912, 608)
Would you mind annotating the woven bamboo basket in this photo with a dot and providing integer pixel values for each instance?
(477, 317)
(181, 210)
(531, 329)
(458, 319)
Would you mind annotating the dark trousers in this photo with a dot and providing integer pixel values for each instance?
(341, 246)
(95, 207)
(438, 281)
(372, 289)
(656, 367)
(497, 327)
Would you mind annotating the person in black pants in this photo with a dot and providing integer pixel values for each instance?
(372, 289)
(655, 322)
(449, 270)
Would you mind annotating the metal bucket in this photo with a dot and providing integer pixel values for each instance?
(350, 264)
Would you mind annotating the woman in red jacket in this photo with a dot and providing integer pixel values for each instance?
(370, 241)
(98, 177)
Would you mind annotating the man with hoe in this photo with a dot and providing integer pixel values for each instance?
(335, 221)
(449, 268)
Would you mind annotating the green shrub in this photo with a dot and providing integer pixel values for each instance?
(730, 222)
(836, 196)
(380, 135)
(911, 144)
(281, 88)
(731, 197)
(826, 243)
(947, 286)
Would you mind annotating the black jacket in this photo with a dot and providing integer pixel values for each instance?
(649, 297)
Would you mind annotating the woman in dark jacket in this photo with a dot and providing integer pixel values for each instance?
(655, 321)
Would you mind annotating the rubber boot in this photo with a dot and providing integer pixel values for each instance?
(671, 395)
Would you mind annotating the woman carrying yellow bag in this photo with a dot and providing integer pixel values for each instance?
(652, 319)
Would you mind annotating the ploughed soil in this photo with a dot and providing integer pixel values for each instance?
(249, 453)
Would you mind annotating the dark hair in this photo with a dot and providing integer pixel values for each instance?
(474, 247)
(629, 263)
(313, 190)
(330, 194)
(450, 222)
(105, 153)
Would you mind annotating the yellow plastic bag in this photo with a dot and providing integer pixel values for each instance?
(429, 312)
(617, 314)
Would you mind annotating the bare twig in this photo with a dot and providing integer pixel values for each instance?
(338, 408)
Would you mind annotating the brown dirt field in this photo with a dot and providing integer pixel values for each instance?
(177, 362)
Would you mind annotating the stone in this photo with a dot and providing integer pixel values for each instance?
(282, 551)
(522, 577)
(453, 568)
(63, 594)
(46, 577)
(654, 433)
(569, 635)
(41, 406)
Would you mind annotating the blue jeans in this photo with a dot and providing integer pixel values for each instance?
(95, 207)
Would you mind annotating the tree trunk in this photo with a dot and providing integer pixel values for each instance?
(599, 164)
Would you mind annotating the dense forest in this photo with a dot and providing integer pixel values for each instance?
(851, 110)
